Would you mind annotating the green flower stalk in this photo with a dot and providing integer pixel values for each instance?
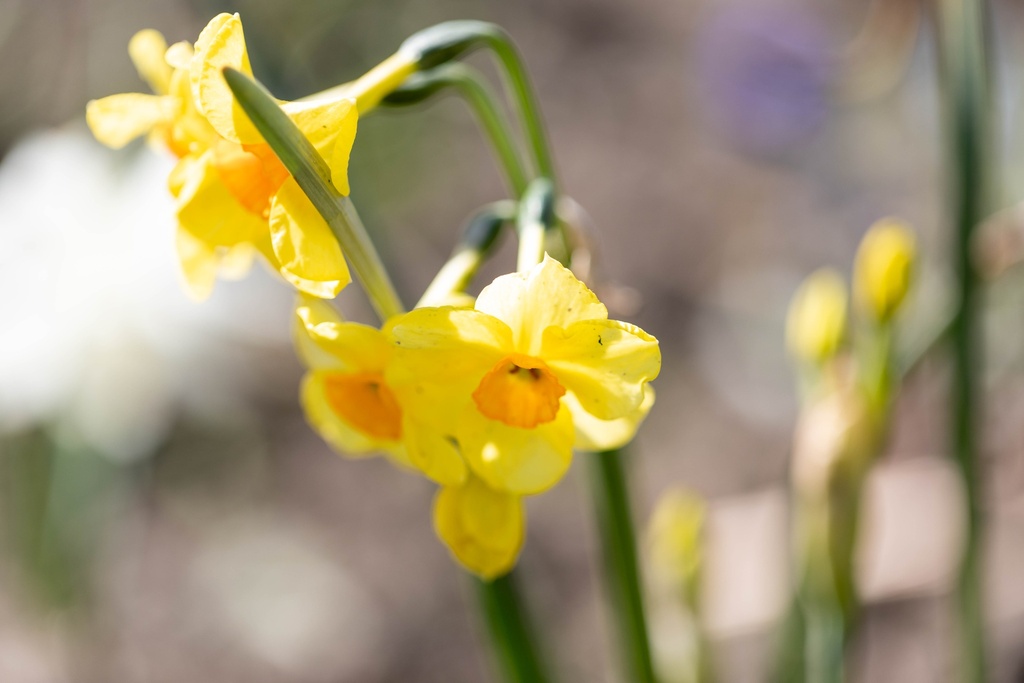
(840, 435)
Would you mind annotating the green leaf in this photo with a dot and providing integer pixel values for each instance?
(313, 175)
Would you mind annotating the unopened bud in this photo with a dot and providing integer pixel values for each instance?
(817, 317)
(884, 267)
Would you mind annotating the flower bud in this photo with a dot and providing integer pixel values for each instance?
(817, 317)
(884, 266)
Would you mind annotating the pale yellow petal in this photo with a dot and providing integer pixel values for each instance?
(146, 49)
(530, 302)
(308, 251)
(520, 461)
(119, 119)
(604, 362)
(593, 434)
(179, 55)
(198, 265)
(236, 262)
(220, 45)
(484, 529)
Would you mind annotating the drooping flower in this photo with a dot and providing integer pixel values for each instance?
(358, 404)
(533, 369)
(234, 197)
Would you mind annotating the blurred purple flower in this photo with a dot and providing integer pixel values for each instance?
(764, 74)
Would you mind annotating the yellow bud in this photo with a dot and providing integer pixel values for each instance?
(817, 317)
(676, 541)
(884, 266)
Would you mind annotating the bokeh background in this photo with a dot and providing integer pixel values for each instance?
(167, 515)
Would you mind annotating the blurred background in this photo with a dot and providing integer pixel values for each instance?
(167, 516)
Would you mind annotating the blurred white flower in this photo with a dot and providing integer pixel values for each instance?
(96, 334)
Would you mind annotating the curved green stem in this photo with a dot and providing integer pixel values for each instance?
(477, 242)
(468, 83)
(965, 76)
(510, 630)
(618, 542)
(445, 42)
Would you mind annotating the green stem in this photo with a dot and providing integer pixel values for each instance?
(962, 42)
(477, 242)
(510, 630)
(447, 41)
(529, 109)
(618, 541)
(468, 82)
(535, 220)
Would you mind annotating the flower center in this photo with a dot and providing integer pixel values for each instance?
(520, 391)
(365, 402)
(252, 174)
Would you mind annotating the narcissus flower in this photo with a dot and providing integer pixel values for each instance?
(483, 528)
(533, 369)
(234, 197)
(884, 267)
(358, 404)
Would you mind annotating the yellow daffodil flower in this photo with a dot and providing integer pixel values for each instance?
(533, 369)
(358, 405)
(483, 528)
(883, 269)
(817, 317)
(234, 197)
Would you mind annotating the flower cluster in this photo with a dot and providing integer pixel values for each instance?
(234, 199)
(489, 402)
(486, 400)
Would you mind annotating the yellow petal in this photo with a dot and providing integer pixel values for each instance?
(220, 45)
(331, 127)
(337, 432)
(604, 362)
(119, 119)
(352, 347)
(146, 49)
(520, 461)
(483, 528)
(179, 55)
(198, 265)
(530, 302)
(434, 453)
(594, 435)
(235, 262)
(308, 251)
(207, 208)
(447, 348)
